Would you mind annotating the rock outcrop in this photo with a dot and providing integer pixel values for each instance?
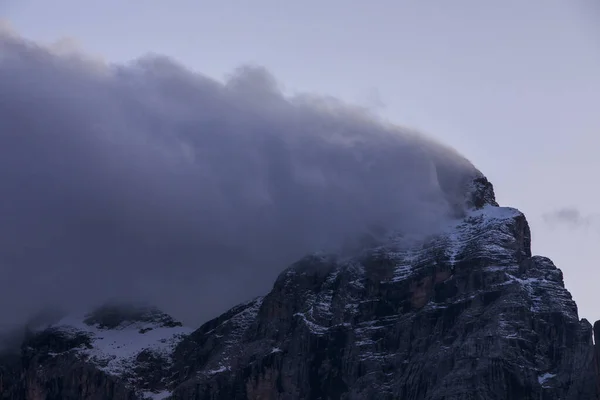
(468, 313)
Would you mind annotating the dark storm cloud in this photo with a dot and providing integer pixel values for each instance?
(148, 181)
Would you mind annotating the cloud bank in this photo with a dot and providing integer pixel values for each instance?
(150, 182)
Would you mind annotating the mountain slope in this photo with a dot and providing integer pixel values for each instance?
(466, 314)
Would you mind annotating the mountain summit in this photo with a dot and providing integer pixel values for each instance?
(467, 313)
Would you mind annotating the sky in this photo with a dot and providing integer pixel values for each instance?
(511, 85)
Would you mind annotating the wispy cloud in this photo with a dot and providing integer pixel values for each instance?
(571, 217)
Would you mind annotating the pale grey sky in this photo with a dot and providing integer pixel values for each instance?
(513, 85)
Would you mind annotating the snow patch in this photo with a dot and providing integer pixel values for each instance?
(545, 377)
(221, 368)
(156, 396)
(313, 327)
(115, 350)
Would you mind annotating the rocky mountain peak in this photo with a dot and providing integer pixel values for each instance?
(466, 313)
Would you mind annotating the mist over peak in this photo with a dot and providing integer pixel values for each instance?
(150, 182)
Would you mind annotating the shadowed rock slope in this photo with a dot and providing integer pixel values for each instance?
(466, 314)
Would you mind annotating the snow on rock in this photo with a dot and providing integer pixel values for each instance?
(313, 327)
(115, 349)
(221, 368)
(542, 379)
(481, 232)
(489, 234)
(135, 344)
(162, 395)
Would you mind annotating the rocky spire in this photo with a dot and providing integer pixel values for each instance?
(481, 193)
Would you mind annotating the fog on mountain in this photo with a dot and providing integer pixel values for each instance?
(148, 181)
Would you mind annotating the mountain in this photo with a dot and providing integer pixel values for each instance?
(468, 313)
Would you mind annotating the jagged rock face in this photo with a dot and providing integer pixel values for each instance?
(466, 314)
(481, 193)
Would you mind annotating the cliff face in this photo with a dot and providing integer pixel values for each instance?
(466, 314)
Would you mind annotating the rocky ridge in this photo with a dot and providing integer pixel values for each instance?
(468, 313)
